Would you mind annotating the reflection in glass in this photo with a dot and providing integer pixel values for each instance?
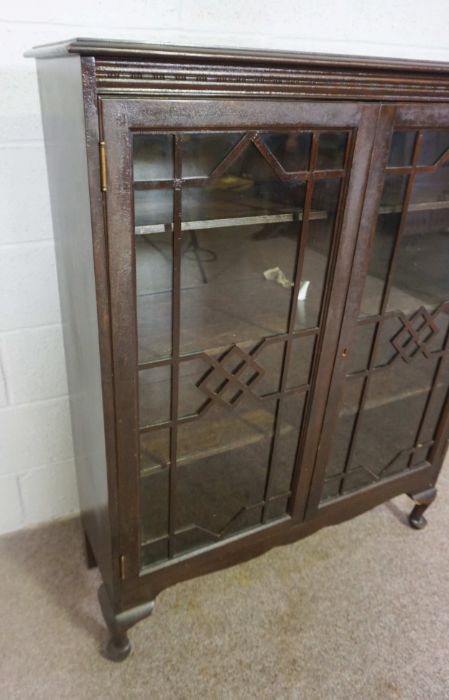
(153, 156)
(325, 200)
(383, 244)
(401, 151)
(331, 150)
(434, 145)
(237, 408)
(154, 295)
(153, 210)
(421, 271)
(222, 465)
(154, 514)
(361, 345)
(154, 450)
(154, 395)
(225, 295)
(201, 153)
(290, 421)
(390, 420)
(300, 361)
(406, 386)
(292, 150)
(337, 464)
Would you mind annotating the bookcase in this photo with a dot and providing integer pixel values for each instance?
(253, 256)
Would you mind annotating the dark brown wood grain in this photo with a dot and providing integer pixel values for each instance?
(80, 260)
(96, 90)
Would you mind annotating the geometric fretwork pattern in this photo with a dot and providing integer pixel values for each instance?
(232, 376)
(415, 334)
(231, 470)
(391, 407)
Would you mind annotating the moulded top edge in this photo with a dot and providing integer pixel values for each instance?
(129, 50)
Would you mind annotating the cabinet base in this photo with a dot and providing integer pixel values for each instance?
(119, 647)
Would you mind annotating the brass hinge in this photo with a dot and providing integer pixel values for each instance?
(103, 178)
(122, 566)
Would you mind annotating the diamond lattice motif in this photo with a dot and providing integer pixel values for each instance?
(415, 334)
(233, 375)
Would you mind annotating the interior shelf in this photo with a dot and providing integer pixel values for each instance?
(277, 218)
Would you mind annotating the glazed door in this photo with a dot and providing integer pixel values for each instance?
(386, 409)
(231, 229)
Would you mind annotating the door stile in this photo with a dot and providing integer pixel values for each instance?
(122, 276)
(363, 184)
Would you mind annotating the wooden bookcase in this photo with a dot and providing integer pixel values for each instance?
(253, 256)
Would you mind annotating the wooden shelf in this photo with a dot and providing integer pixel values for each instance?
(276, 218)
(229, 223)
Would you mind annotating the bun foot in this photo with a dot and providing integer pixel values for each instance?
(116, 650)
(422, 502)
(417, 521)
(118, 647)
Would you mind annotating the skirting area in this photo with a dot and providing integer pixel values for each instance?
(357, 611)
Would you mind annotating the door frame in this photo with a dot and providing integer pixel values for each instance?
(392, 117)
(119, 118)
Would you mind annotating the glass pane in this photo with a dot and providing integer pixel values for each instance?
(361, 347)
(331, 150)
(387, 430)
(154, 292)
(421, 275)
(300, 361)
(154, 552)
(225, 294)
(231, 201)
(277, 508)
(402, 148)
(322, 221)
(270, 358)
(409, 260)
(154, 505)
(153, 211)
(153, 156)
(202, 153)
(222, 466)
(434, 145)
(236, 383)
(382, 247)
(154, 395)
(154, 450)
(439, 396)
(290, 421)
(292, 150)
(338, 459)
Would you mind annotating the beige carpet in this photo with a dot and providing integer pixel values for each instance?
(358, 611)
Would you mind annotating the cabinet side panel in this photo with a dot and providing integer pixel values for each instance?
(61, 95)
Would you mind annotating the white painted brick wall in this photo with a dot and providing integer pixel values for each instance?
(36, 464)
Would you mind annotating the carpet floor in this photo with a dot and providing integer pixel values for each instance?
(357, 611)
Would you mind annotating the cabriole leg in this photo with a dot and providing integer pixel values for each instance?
(119, 646)
(422, 501)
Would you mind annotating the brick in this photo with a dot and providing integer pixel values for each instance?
(34, 364)
(28, 286)
(35, 435)
(49, 492)
(24, 195)
(11, 517)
